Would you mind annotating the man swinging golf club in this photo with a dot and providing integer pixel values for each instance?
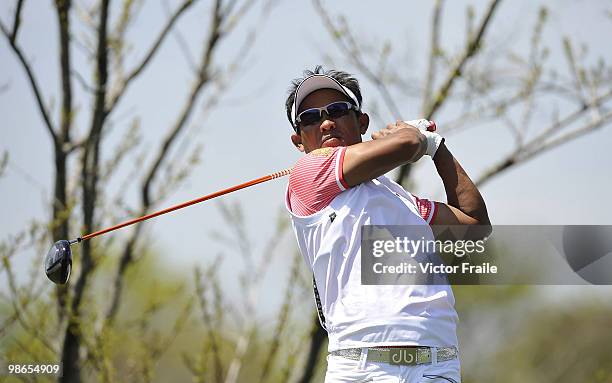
(394, 333)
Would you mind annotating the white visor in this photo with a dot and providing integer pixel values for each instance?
(316, 82)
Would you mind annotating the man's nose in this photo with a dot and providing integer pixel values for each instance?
(327, 123)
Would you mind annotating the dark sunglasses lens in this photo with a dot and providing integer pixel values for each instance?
(58, 262)
(337, 109)
(309, 117)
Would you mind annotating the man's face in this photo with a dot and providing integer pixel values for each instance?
(342, 131)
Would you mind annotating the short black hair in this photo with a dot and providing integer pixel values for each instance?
(344, 78)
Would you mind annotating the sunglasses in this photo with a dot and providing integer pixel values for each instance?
(314, 115)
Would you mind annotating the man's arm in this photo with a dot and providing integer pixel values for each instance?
(393, 146)
(402, 143)
(465, 205)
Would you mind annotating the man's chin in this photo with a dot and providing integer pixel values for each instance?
(332, 143)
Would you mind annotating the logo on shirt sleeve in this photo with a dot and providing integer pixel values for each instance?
(322, 152)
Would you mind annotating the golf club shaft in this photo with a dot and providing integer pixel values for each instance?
(256, 181)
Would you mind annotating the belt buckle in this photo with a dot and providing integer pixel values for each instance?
(403, 356)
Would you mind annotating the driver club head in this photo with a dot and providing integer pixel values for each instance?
(58, 262)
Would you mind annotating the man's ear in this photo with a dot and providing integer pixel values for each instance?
(364, 122)
(297, 141)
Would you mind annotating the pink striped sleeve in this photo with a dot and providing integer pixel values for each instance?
(316, 179)
(427, 208)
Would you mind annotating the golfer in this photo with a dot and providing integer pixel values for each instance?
(394, 333)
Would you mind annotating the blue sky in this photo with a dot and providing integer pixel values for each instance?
(247, 135)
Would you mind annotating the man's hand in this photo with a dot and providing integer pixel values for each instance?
(434, 140)
(406, 126)
(422, 126)
(393, 128)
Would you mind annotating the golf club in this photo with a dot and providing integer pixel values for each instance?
(58, 261)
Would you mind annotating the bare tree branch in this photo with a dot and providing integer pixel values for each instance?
(317, 339)
(535, 148)
(154, 48)
(128, 14)
(182, 43)
(63, 9)
(573, 66)
(128, 142)
(433, 55)
(146, 200)
(33, 83)
(81, 80)
(250, 280)
(89, 183)
(61, 229)
(567, 137)
(283, 317)
(229, 7)
(233, 19)
(472, 46)
(19, 311)
(76, 330)
(3, 162)
(351, 49)
(16, 21)
(557, 126)
(60, 139)
(174, 171)
(208, 319)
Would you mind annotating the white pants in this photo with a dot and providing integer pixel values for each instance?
(341, 369)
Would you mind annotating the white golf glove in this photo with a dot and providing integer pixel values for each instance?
(428, 129)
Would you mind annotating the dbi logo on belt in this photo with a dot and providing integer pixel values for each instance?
(403, 356)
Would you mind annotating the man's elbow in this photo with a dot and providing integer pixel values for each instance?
(479, 225)
(483, 226)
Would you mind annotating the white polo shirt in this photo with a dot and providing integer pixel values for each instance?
(327, 217)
